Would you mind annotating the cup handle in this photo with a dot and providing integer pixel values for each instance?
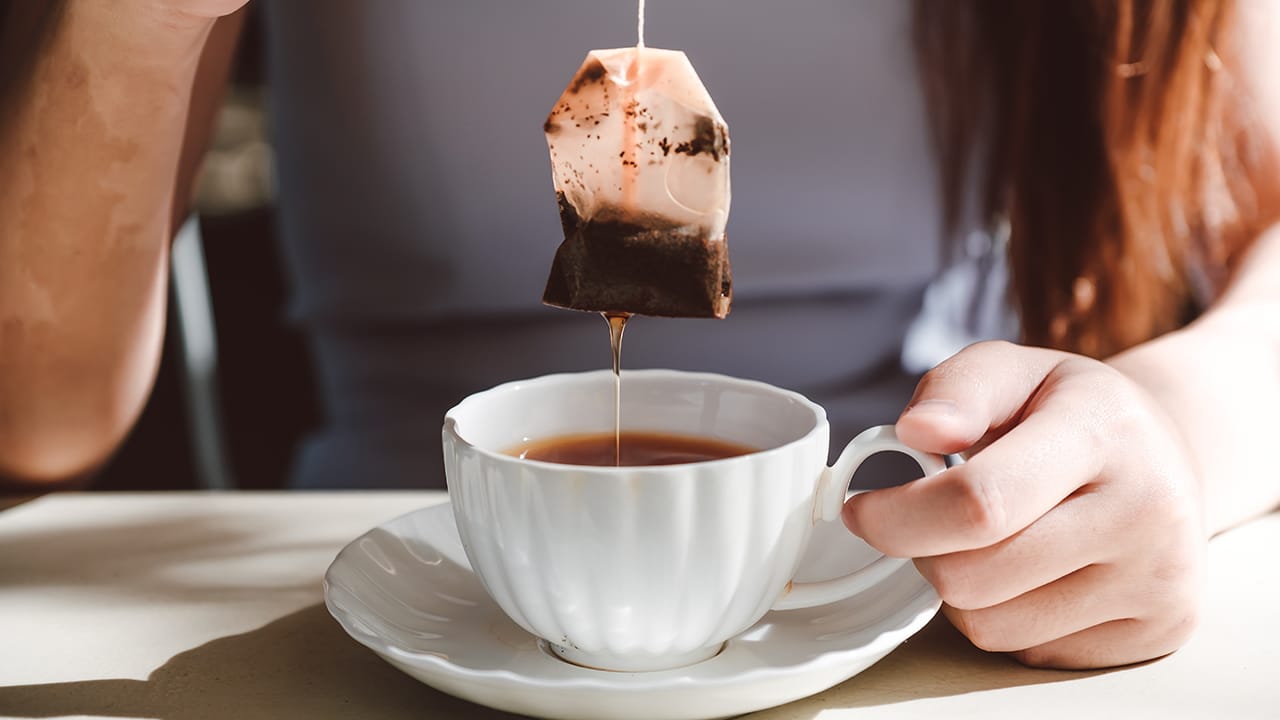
(830, 498)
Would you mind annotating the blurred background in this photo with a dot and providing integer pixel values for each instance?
(255, 349)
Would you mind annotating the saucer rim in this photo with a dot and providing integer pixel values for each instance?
(916, 611)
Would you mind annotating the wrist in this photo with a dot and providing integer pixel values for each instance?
(1165, 369)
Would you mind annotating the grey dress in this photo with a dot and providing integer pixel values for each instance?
(419, 222)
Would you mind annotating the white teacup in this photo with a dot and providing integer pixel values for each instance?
(650, 568)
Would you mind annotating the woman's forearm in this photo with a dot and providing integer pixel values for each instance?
(89, 148)
(1219, 381)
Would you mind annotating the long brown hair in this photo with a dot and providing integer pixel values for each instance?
(1118, 143)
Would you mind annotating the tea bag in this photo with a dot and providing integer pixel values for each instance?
(640, 159)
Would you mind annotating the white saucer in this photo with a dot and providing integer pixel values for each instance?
(406, 591)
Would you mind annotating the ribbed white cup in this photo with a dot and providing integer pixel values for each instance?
(645, 568)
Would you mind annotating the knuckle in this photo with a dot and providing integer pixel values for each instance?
(981, 505)
(1122, 412)
(1106, 407)
(1039, 657)
(983, 629)
(1177, 629)
(993, 346)
(1175, 574)
(1053, 656)
(1164, 634)
(1169, 496)
(1175, 595)
(1158, 637)
(955, 581)
(1128, 418)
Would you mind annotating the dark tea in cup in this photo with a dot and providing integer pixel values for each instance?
(630, 449)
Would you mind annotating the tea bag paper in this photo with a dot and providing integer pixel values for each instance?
(640, 160)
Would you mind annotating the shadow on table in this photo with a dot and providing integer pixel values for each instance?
(937, 662)
(157, 557)
(300, 666)
(303, 666)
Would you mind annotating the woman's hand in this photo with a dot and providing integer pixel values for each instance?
(1073, 537)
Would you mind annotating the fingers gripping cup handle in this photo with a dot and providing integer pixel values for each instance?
(832, 489)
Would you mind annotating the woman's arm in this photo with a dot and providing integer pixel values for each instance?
(91, 136)
(1219, 380)
(1075, 536)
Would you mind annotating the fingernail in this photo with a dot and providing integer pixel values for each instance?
(932, 406)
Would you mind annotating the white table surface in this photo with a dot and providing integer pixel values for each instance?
(188, 606)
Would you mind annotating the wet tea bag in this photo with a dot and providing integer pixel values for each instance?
(640, 159)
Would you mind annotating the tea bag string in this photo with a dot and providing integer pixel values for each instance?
(640, 26)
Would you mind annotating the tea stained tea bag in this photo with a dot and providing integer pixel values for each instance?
(640, 159)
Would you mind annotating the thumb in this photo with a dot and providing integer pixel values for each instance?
(980, 390)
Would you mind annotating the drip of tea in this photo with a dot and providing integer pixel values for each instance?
(617, 324)
(637, 449)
